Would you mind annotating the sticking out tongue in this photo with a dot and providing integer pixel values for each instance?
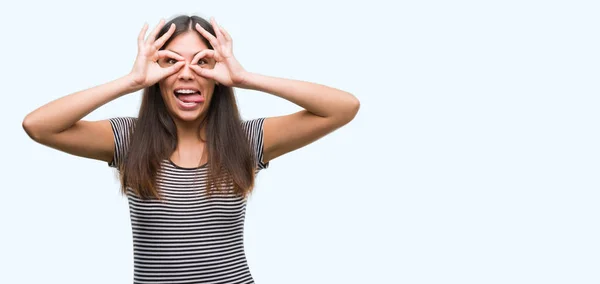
(190, 98)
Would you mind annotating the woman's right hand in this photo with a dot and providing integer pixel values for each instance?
(146, 71)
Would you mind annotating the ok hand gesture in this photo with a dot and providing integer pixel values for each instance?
(227, 70)
(146, 71)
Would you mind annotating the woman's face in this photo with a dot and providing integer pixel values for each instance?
(186, 94)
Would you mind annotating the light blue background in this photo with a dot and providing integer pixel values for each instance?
(474, 157)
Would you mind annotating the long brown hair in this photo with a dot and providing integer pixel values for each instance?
(231, 162)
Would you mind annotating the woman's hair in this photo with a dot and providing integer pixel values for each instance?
(231, 162)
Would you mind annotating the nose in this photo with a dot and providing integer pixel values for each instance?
(186, 73)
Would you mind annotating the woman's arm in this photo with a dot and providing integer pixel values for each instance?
(325, 110)
(58, 124)
(62, 113)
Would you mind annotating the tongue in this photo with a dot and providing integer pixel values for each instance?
(191, 98)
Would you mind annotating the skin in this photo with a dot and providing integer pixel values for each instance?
(188, 45)
(192, 51)
(324, 109)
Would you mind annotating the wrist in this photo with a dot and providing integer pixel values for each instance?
(132, 82)
(247, 80)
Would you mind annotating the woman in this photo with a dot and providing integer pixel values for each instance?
(187, 163)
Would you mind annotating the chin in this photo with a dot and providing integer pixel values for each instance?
(187, 116)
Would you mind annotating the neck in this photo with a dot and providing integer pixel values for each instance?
(189, 132)
(190, 145)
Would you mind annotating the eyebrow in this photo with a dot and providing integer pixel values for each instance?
(182, 55)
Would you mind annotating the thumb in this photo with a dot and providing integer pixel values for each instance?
(206, 73)
(173, 69)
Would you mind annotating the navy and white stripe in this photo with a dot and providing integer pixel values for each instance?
(122, 127)
(188, 237)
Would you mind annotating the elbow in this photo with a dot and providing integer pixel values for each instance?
(350, 110)
(353, 108)
(30, 128)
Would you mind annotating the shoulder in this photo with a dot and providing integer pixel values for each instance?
(253, 128)
(122, 128)
(254, 132)
(127, 121)
(123, 124)
(250, 123)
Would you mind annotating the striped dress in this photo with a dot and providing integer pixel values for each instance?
(189, 237)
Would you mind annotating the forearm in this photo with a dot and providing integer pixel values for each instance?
(64, 112)
(318, 99)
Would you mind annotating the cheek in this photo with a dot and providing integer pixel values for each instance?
(209, 97)
(165, 88)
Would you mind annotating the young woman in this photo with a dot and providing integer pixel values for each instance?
(187, 163)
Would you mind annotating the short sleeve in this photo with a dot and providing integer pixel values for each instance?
(254, 130)
(122, 128)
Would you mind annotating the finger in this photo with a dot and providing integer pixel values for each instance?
(213, 41)
(226, 34)
(142, 34)
(206, 73)
(173, 69)
(152, 36)
(207, 53)
(159, 42)
(170, 54)
(220, 36)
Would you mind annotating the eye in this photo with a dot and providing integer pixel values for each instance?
(202, 61)
(171, 61)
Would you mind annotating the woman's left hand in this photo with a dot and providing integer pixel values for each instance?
(227, 70)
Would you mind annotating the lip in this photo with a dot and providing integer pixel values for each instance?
(186, 88)
(181, 105)
(184, 107)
